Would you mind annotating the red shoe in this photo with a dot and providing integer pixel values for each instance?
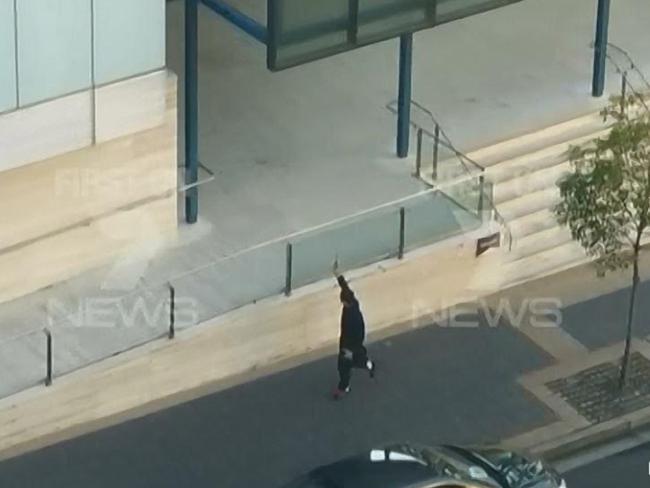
(338, 394)
(372, 368)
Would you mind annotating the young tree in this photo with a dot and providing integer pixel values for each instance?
(605, 201)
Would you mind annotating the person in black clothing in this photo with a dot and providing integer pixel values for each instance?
(352, 353)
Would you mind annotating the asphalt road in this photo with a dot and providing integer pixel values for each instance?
(435, 385)
(628, 469)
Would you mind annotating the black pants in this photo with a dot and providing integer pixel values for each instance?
(358, 360)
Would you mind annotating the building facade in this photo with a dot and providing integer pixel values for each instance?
(88, 156)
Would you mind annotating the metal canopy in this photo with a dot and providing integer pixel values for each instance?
(301, 31)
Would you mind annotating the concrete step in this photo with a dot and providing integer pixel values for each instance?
(530, 183)
(529, 204)
(545, 253)
(539, 242)
(538, 160)
(542, 264)
(538, 140)
(532, 223)
(525, 172)
(512, 165)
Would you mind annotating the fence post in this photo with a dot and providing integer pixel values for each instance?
(287, 283)
(623, 92)
(404, 95)
(436, 140)
(172, 312)
(600, 48)
(48, 337)
(402, 222)
(418, 159)
(481, 187)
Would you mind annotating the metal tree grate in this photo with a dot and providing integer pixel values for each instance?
(594, 392)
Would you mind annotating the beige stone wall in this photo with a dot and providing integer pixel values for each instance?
(63, 215)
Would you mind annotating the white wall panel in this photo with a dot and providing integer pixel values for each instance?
(129, 38)
(7, 56)
(54, 46)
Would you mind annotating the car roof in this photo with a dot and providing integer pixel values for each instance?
(364, 473)
(368, 471)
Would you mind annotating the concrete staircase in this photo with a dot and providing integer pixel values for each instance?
(525, 172)
(525, 177)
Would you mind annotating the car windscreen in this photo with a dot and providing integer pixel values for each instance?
(463, 467)
(514, 470)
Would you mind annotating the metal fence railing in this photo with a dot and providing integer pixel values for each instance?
(80, 331)
(436, 153)
(389, 231)
(634, 83)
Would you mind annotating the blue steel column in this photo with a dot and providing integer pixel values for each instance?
(600, 48)
(404, 97)
(191, 110)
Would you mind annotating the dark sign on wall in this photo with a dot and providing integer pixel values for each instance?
(487, 242)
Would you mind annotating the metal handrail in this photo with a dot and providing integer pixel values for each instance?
(392, 107)
(497, 215)
(211, 176)
(158, 286)
(168, 282)
(623, 72)
(633, 65)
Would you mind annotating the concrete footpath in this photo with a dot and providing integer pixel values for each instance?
(395, 292)
(397, 296)
(442, 378)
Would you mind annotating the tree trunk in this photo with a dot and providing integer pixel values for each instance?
(630, 323)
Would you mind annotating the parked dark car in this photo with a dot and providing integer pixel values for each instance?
(415, 466)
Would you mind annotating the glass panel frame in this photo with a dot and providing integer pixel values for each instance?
(433, 218)
(356, 243)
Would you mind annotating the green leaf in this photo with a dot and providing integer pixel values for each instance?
(605, 200)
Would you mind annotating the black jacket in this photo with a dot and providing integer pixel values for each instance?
(353, 327)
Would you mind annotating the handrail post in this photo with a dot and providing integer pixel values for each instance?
(623, 91)
(481, 189)
(353, 22)
(289, 270)
(436, 140)
(418, 159)
(404, 95)
(191, 110)
(172, 312)
(48, 374)
(402, 227)
(600, 48)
